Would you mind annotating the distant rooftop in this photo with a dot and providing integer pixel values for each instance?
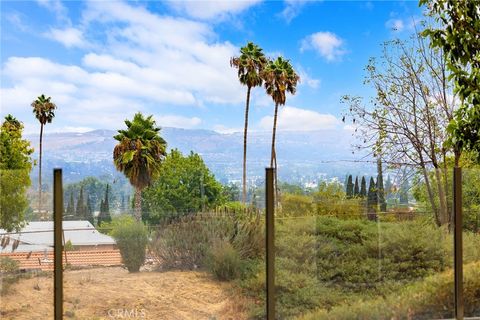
(40, 235)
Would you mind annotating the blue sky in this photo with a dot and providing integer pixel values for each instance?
(103, 61)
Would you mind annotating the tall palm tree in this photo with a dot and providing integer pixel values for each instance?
(250, 65)
(138, 154)
(280, 78)
(44, 111)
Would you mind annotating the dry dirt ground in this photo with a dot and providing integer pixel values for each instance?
(113, 293)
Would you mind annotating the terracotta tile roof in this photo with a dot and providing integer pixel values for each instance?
(44, 261)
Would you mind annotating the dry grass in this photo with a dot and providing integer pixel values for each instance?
(104, 293)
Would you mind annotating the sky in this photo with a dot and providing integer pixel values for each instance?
(102, 61)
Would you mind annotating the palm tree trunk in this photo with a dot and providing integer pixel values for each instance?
(40, 175)
(273, 135)
(244, 177)
(138, 204)
(273, 158)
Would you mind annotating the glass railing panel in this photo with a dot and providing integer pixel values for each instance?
(471, 241)
(344, 256)
(191, 259)
(26, 249)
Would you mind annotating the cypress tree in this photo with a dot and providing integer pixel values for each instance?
(106, 204)
(104, 215)
(372, 199)
(403, 192)
(81, 210)
(70, 212)
(356, 191)
(388, 187)
(380, 187)
(89, 212)
(381, 194)
(363, 188)
(349, 190)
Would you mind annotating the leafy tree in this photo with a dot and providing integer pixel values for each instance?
(349, 189)
(139, 154)
(280, 78)
(250, 65)
(291, 188)
(406, 122)
(185, 185)
(231, 192)
(15, 166)
(363, 188)
(44, 111)
(457, 35)
(372, 198)
(356, 191)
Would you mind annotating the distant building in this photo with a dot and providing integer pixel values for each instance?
(38, 236)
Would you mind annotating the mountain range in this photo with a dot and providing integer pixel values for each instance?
(302, 156)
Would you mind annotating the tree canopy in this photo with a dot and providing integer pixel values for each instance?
(15, 167)
(458, 35)
(185, 185)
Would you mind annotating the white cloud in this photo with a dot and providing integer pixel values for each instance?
(177, 121)
(16, 20)
(57, 8)
(206, 10)
(293, 8)
(296, 119)
(69, 37)
(306, 79)
(142, 62)
(395, 25)
(327, 44)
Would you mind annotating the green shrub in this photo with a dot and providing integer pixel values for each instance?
(131, 238)
(361, 254)
(430, 298)
(296, 205)
(224, 261)
(8, 265)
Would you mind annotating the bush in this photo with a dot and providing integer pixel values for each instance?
(224, 261)
(131, 238)
(8, 265)
(185, 243)
(431, 298)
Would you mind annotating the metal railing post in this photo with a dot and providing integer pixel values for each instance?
(58, 243)
(458, 242)
(270, 244)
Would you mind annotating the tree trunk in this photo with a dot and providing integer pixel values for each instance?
(443, 214)
(429, 191)
(273, 158)
(244, 177)
(273, 135)
(40, 175)
(138, 204)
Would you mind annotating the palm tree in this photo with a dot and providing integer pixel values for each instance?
(139, 154)
(44, 111)
(250, 65)
(280, 78)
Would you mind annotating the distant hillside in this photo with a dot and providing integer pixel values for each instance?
(302, 156)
